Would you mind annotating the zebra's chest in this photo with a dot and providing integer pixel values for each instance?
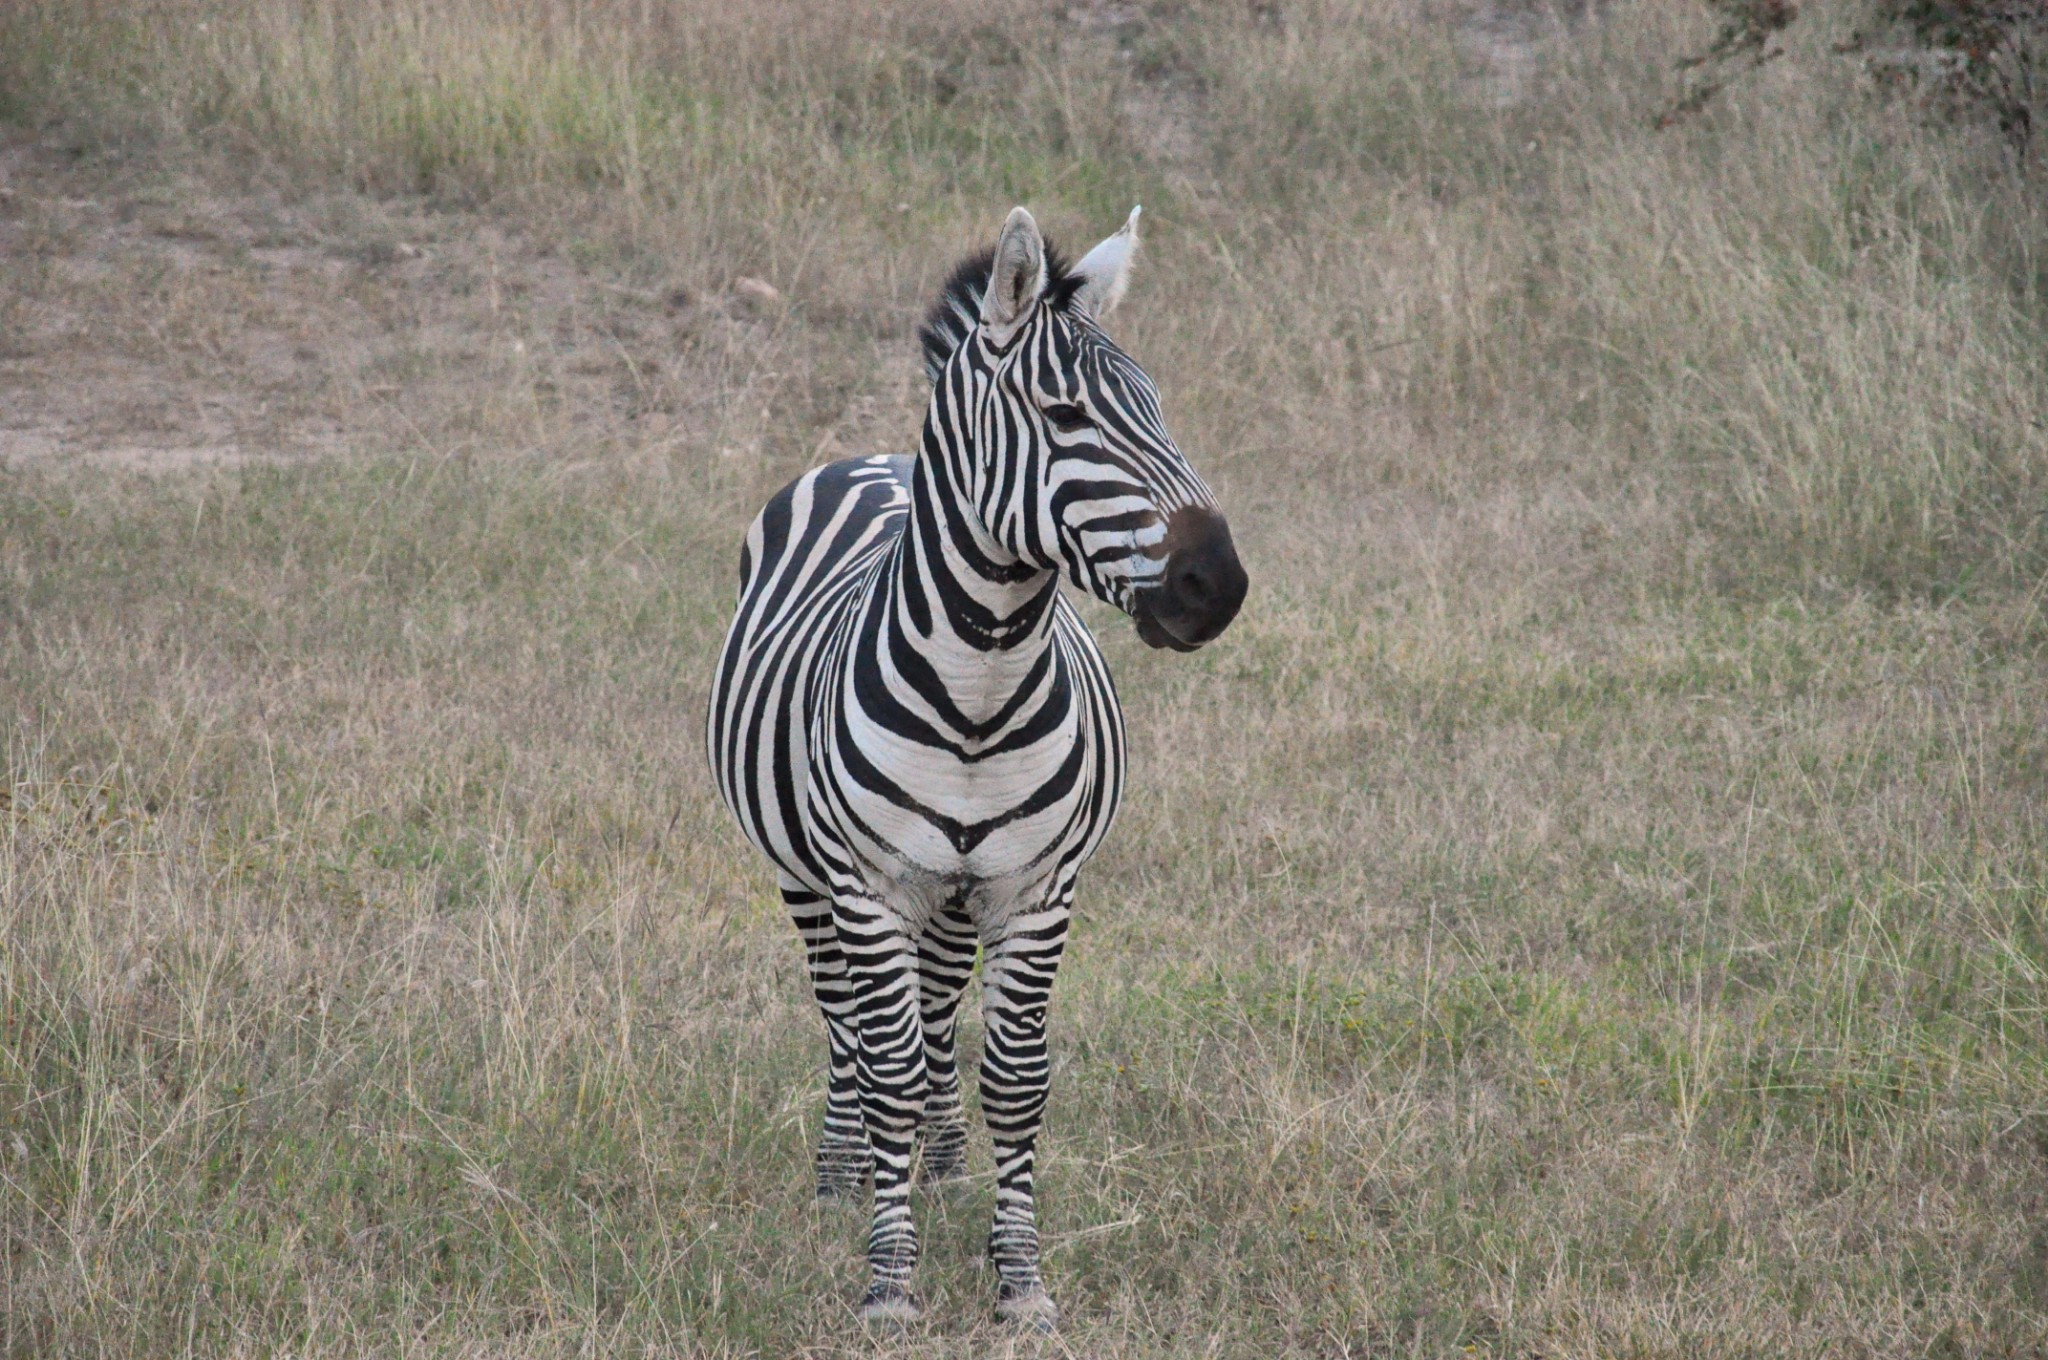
(982, 809)
(958, 776)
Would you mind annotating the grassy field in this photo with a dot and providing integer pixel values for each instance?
(1594, 902)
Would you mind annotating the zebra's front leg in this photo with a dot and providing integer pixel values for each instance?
(945, 959)
(890, 1072)
(1016, 986)
(842, 1158)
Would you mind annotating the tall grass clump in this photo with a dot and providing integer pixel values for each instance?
(1827, 314)
(757, 108)
(1810, 321)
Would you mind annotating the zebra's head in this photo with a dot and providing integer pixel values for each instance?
(1070, 467)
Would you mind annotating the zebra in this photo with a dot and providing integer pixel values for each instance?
(911, 721)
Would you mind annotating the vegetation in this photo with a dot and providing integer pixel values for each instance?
(1981, 57)
(1594, 901)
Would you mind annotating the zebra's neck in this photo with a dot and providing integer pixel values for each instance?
(977, 619)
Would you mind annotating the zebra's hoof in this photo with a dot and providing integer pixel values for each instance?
(890, 1305)
(1031, 1308)
(838, 1199)
(945, 1177)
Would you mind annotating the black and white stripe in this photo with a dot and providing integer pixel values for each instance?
(911, 721)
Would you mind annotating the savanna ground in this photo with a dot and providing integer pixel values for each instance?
(1593, 903)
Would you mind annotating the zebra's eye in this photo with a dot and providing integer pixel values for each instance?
(1067, 418)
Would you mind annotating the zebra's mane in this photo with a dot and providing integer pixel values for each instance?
(957, 311)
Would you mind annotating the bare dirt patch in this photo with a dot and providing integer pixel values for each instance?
(156, 317)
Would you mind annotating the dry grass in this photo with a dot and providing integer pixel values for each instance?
(1593, 903)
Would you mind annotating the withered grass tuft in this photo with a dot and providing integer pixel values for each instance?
(1594, 902)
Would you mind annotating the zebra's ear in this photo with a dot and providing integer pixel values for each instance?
(1106, 270)
(1017, 277)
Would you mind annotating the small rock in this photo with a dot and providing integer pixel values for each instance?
(756, 290)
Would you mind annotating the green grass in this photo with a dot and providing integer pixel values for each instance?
(360, 977)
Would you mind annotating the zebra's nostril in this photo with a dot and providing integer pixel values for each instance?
(1195, 585)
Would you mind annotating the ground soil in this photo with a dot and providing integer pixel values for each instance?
(155, 316)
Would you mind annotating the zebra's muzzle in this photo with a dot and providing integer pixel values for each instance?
(1202, 587)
